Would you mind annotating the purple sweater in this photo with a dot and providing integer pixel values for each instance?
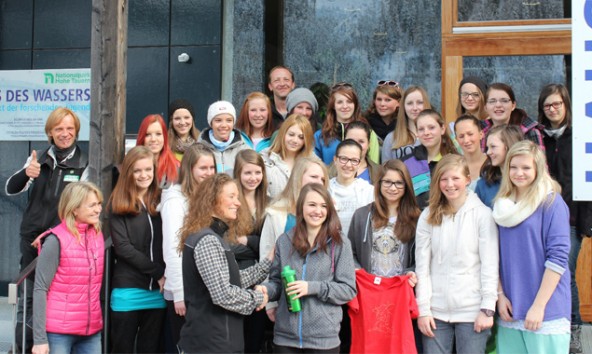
(527, 249)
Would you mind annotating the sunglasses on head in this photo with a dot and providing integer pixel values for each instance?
(388, 83)
(340, 85)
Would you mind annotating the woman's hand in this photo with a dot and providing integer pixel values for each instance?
(298, 287)
(242, 240)
(180, 308)
(412, 279)
(534, 317)
(425, 325)
(40, 349)
(161, 284)
(504, 308)
(262, 289)
(271, 314)
(482, 322)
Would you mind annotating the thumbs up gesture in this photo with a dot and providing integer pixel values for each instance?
(34, 167)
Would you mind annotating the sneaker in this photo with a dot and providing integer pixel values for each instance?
(575, 344)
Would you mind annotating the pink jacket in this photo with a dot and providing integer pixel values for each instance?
(73, 299)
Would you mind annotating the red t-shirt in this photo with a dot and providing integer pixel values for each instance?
(381, 315)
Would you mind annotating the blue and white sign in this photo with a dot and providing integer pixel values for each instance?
(582, 98)
(28, 96)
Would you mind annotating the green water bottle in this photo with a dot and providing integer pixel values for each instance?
(288, 276)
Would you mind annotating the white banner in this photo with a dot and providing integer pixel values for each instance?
(582, 98)
(28, 96)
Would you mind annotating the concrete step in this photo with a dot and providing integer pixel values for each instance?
(6, 331)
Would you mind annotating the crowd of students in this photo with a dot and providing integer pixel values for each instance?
(405, 233)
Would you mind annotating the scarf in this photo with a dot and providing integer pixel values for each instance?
(181, 145)
(508, 213)
(221, 145)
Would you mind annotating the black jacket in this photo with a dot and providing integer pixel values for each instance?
(137, 242)
(559, 159)
(42, 209)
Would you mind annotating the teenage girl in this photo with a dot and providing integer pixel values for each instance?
(182, 130)
(468, 133)
(153, 135)
(534, 301)
(384, 108)
(255, 121)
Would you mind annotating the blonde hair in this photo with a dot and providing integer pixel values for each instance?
(438, 203)
(402, 135)
(279, 144)
(543, 183)
(56, 117)
(72, 197)
(287, 199)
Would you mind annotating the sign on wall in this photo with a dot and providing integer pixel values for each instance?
(582, 98)
(28, 96)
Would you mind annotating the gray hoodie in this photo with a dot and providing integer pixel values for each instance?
(331, 283)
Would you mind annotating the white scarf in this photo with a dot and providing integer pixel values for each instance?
(508, 213)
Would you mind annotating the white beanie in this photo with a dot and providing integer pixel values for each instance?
(220, 107)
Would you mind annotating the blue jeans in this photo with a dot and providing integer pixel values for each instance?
(467, 340)
(574, 252)
(67, 343)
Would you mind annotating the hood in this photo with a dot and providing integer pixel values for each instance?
(173, 192)
(471, 203)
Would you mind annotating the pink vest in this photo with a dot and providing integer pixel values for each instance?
(73, 299)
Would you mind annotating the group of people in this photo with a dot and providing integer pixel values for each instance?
(404, 233)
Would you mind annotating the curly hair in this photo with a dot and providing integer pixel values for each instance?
(203, 205)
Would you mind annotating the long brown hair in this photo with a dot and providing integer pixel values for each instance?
(125, 196)
(190, 158)
(438, 204)
(330, 230)
(203, 204)
(509, 135)
(330, 126)
(402, 135)
(246, 224)
(446, 144)
(408, 212)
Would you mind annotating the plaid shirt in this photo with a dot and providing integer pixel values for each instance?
(211, 262)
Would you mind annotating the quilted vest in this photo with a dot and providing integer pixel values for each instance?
(73, 299)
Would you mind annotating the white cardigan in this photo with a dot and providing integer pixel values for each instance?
(457, 263)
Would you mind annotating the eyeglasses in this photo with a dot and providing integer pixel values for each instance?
(388, 184)
(344, 160)
(555, 105)
(388, 83)
(493, 101)
(474, 95)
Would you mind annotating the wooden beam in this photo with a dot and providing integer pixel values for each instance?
(108, 94)
(452, 72)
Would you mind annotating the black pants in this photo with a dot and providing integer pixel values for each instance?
(291, 350)
(141, 329)
(28, 254)
(173, 326)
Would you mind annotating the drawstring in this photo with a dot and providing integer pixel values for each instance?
(332, 257)
(366, 229)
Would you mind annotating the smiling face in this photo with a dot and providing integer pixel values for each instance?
(496, 150)
(414, 104)
(554, 115)
(344, 108)
(143, 171)
(281, 83)
(429, 131)
(251, 176)
(222, 126)
(313, 174)
(228, 203)
(468, 136)
(89, 212)
(182, 122)
(499, 106)
(472, 97)
(294, 139)
(258, 113)
(154, 138)
(522, 172)
(64, 133)
(203, 168)
(360, 137)
(385, 104)
(314, 210)
(392, 194)
(453, 184)
(347, 171)
(303, 108)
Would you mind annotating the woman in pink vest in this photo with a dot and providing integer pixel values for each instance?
(67, 313)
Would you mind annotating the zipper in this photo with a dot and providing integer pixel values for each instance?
(58, 183)
(89, 281)
(151, 243)
(301, 310)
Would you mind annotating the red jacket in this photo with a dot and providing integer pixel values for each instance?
(73, 299)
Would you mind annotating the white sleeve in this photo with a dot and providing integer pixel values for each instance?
(173, 213)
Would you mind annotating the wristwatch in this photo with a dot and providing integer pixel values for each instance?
(488, 313)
